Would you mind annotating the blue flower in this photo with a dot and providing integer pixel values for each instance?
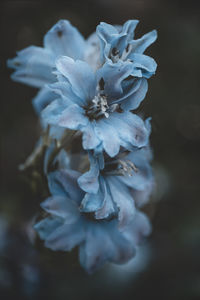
(118, 44)
(34, 65)
(98, 241)
(118, 186)
(83, 105)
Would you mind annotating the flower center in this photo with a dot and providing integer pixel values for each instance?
(115, 55)
(99, 108)
(120, 167)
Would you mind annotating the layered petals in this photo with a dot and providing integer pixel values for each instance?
(66, 227)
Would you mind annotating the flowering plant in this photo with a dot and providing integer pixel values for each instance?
(94, 150)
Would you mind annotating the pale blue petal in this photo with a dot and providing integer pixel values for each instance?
(89, 181)
(130, 128)
(139, 228)
(113, 75)
(134, 99)
(109, 136)
(44, 97)
(46, 226)
(141, 179)
(33, 66)
(65, 39)
(89, 139)
(143, 63)
(63, 89)
(52, 112)
(73, 117)
(106, 31)
(66, 237)
(80, 76)
(108, 208)
(129, 28)
(97, 248)
(123, 199)
(64, 183)
(62, 207)
(92, 51)
(140, 45)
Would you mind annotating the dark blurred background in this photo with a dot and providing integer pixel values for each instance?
(170, 268)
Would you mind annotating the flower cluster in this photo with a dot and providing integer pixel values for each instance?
(96, 153)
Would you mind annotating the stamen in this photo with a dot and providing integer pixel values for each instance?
(120, 167)
(99, 107)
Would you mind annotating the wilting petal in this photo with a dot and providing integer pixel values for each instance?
(80, 76)
(33, 66)
(65, 39)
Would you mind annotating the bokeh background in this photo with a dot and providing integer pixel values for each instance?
(168, 266)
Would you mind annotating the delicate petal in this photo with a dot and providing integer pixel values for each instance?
(134, 99)
(96, 249)
(122, 197)
(63, 89)
(80, 76)
(89, 181)
(106, 31)
(140, 45)
(44, 97)
(131, 129)
(62, 207)
(129, 28)
(143, 63)
(108, 134)
(52, 112)
(113, 75)
(73, 118)
(93, 202)
(104, 243)
(33, 66)
(66, 237)
(108, 208)
(65, 39)
(143, 177)
(46, 226)
(89, 139)
(64, 183)
(138, 228)
(92, 51)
